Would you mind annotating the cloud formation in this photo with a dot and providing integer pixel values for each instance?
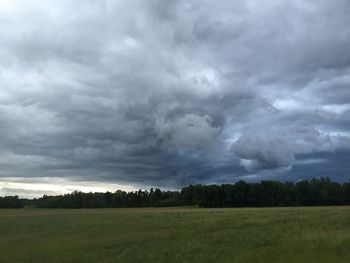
(173, 92)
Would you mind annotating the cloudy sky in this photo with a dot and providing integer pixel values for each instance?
(97, 95)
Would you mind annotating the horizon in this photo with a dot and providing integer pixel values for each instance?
(71, 190)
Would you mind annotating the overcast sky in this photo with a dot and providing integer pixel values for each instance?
(103, 94)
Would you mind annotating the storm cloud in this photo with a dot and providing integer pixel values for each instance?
(169, 93)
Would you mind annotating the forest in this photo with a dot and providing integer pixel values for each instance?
(316, 192)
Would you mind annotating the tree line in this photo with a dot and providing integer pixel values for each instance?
(316, 192)
(12, 202)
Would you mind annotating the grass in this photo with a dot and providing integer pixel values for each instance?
(318, 234)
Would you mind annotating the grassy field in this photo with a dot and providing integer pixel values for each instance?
(319, 234)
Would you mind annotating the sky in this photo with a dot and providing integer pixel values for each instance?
(100, 95)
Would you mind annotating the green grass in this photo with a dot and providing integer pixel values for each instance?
(319, 234)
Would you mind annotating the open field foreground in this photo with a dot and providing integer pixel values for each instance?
(315, 234)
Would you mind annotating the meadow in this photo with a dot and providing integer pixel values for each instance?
(304, 234)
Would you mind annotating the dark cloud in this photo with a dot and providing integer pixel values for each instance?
(173, 92)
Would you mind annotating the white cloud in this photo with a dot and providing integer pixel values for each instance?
(149, 91)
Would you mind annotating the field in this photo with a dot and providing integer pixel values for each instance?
(318, 234)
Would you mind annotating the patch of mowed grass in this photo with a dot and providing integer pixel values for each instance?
(317, 234)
